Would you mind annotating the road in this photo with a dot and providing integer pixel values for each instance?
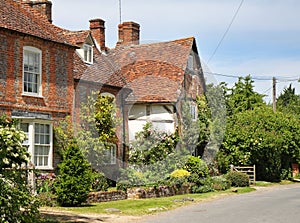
(270, 205)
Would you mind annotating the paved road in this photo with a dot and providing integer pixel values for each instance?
(272, 205)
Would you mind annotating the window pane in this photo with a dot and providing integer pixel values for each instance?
(32, 71)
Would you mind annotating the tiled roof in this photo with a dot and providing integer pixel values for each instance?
(100, 72)
(76, 37)
(24, 19)
(155, 72)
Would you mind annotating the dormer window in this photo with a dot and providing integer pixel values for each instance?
(88, 53)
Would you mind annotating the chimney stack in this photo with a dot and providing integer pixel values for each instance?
(129, 33)
(42, 6)
(98, 31)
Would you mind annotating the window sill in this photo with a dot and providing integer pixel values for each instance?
(32, 95)
(44, 168)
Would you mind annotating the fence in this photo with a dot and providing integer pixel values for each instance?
(249, 170)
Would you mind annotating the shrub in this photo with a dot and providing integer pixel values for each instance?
(75, 178)
(179, 173)
(221, 183)
(195, 165)
(238, 179)
(17, 203)
(123, 185)
(203, 186)
(100, 182)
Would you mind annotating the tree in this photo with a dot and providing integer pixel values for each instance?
(17, 203)
(269, 140)
(242, 96)
(289, 102)
(75, 177)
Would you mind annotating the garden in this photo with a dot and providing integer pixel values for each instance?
(161, 173)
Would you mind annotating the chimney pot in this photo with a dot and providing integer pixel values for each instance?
(97, 27)
(129, 33)
(42, 6)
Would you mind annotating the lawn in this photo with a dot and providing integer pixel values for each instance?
(150, 205)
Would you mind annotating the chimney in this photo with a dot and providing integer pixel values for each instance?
(129, 33)
(42, 6)
(98, 31)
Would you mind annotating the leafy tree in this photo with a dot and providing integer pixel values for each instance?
(17, 203)
(289, 102)
(75, 177)
(269, 140)
(242, 97)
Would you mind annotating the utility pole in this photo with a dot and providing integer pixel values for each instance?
(274, 94)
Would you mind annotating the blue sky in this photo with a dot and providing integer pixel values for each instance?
(264, 39)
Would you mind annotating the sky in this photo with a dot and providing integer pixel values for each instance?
(263, 40)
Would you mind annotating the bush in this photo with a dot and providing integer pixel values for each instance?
(203, 186)
(100, 182)
(75, 178)
(238, 179)
(195, 165)
(179, 173)
(17, 203)
(221, 183)
(123, 185)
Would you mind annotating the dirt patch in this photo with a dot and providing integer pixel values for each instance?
(64, 216)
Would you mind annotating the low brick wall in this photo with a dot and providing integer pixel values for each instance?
(160, 191)
(96, 197)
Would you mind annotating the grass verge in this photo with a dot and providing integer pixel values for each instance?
(150, 205)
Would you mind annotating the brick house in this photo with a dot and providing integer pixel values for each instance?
(36, 74)
(47, 71)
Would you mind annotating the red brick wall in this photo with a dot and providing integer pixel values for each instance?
(57, 75)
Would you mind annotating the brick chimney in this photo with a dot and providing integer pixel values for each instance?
(97, 28)
(129, 33)
(42, 6)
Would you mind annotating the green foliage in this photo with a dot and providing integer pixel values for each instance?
(123, 185)
(17, 203)
(242, 96)
(221, 183)
(269, 140)
(204, 185)
(289, 102)
(180, 173)
(105, 119)
(75, 178)
(151, 146)
(195, 165)
(238, 179)
(96, 132)
(100, 182)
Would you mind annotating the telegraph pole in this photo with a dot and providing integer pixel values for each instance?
(274, 94)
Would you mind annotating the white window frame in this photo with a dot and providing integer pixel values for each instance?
(193, 111)
(112, 154)
(88, 53)
(32, 50)
(31, 144)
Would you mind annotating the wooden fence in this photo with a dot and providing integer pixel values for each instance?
(249, 170)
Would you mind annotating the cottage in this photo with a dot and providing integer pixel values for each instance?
(46, 72)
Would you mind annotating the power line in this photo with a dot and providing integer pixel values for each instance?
(261, 78)
(227, 30)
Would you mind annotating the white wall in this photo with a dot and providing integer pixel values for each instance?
(161, 116)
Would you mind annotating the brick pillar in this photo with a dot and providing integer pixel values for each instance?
(97, 28)
(129, 33)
